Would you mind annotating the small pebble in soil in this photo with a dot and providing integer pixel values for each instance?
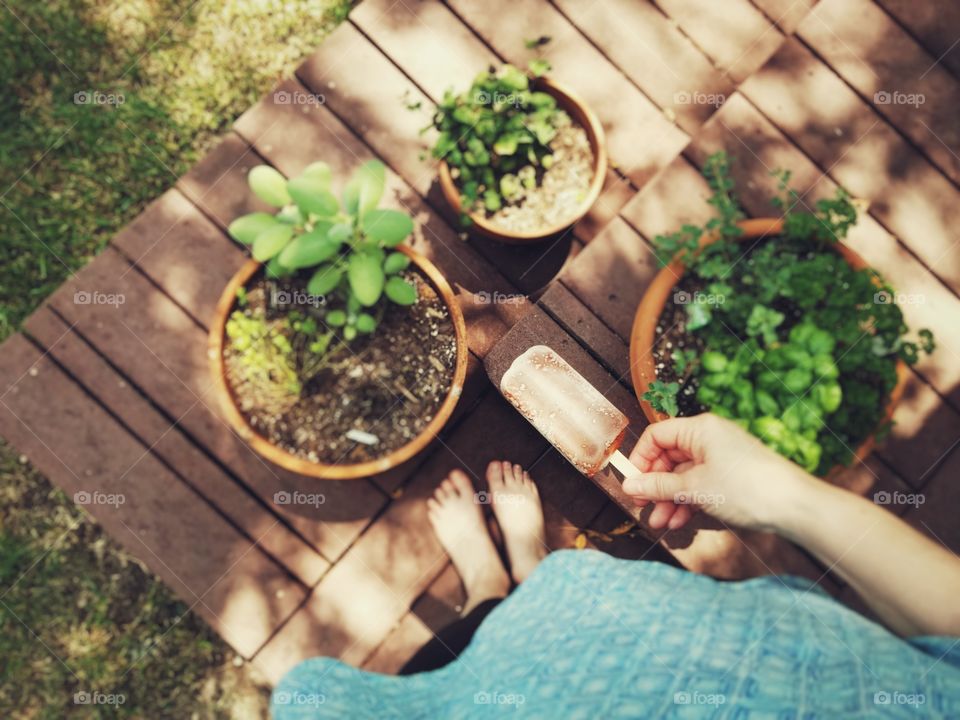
(561, 189)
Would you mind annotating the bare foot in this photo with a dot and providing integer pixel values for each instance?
(458, 521)
(516, 503)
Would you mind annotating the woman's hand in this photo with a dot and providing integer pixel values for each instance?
(709, 463)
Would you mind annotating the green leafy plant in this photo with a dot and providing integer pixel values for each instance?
(496, 136)
(347, 246)
(798, 347)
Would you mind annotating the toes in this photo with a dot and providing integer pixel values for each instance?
(508, 478)
(432, 507)
(460, 483)
(495, 474)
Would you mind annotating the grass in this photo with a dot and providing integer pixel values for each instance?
(76, 612)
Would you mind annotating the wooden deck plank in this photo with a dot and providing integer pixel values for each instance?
(887, 67)
(456, 55)
(840, 131)
(231, 584)
(409, 635)
(936, 23)
(934, 512)
(626, 113)
(650, 50)
(282, 140)
(183, 252)
(735, 35)
(166, 441)
(785, 14)
(218, 183)
(372, 587)
(160, 350)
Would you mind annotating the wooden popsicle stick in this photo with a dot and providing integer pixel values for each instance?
(623, 464)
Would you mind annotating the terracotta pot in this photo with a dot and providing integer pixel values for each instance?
(581, 115)
(320, 470)
(642, 370)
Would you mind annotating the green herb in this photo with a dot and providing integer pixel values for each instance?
(496, 136)
(663, 397)
(799, 348)
(343, 248)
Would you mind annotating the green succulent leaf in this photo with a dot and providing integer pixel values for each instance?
(310, 249)
(271, 241)
(325, 279)
(246, 227)
(400, 291)
(276, 270)
(320, 172)
(395, 262)
(341, 232)
(312, 196)
(366, 323)
(336, 318)
(389, 227)
(290, 215)
(366, 278)
(349, 333)
(365, 188)
(269, 185)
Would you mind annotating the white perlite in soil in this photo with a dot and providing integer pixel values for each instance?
(561, 190)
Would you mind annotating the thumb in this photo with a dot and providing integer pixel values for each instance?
(655, 485)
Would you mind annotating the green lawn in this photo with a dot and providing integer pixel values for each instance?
(75, 611)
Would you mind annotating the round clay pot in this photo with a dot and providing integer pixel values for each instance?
(642, 370)
(288, 461)
(583, 116)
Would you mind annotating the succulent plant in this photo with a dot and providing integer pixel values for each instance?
(496, 136)
(347, 245)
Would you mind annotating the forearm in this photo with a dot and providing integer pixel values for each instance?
(910, 581)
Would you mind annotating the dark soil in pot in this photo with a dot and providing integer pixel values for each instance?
(362, 400)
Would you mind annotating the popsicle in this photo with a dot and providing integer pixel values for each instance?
(567, 410)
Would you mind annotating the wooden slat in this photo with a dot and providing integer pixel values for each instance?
(785, 14)
(169, 444)
(183, 252)
(371, 588)
(874, 54)
(163, 352)
(840, 131)
(936, 23)
(734, 34)
(400, 645)
(650, 50)
(230, 583)
(937, 515)
(640, 138)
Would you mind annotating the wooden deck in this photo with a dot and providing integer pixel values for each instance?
(114, 397)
